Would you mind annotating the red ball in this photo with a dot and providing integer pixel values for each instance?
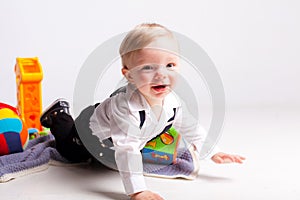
(13, 132)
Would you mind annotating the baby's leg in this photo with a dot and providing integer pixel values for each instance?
(67, 140)
(101, 151)
(61, 124)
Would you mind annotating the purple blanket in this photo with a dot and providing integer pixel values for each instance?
(41, 152)
(38, 154)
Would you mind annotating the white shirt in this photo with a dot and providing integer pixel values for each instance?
(118, 117)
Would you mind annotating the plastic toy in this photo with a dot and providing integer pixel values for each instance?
(45, 131)
(33, 133)
(162, 149)
(13, 132)
(29, 75)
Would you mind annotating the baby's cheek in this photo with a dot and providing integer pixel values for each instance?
(140, 83)
(144, 80)
(173, 81)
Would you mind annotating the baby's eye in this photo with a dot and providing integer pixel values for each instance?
(147, 67)
(170, 65)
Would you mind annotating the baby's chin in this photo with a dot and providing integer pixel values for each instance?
(155, 98)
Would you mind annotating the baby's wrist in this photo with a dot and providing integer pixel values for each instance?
(135, 194)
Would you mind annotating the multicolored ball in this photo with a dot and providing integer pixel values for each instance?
(13, 133)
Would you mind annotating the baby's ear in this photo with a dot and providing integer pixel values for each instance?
(124, 71)
(127, 75)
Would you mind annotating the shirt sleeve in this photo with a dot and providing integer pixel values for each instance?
(128, 141)
(129, 162)
(194, 133)
(112, 118)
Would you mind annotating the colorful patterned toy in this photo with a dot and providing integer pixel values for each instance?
(162, 149)
(13, 132)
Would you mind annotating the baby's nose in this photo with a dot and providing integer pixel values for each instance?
(161, 72)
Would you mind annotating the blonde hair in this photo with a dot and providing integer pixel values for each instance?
(141, 36)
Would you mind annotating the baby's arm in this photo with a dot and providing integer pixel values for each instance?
(130, 168)
(187, 125)
(127, 144)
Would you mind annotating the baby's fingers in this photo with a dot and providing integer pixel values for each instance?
(218, 159)
(239, 159)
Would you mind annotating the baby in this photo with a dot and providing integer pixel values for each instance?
(150, 59)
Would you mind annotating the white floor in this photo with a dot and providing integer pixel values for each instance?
(268, 137)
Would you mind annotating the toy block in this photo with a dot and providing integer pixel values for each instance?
(29, 75)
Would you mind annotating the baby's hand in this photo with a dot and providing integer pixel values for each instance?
(227, 158)
(145, 195)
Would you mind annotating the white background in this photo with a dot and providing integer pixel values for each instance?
(254, 44)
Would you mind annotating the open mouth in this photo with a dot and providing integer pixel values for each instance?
(160, 88)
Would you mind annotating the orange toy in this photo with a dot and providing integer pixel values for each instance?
(29, 75)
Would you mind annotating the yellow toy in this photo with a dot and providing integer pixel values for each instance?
(29, 75)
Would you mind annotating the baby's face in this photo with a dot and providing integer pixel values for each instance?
(153, 71)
